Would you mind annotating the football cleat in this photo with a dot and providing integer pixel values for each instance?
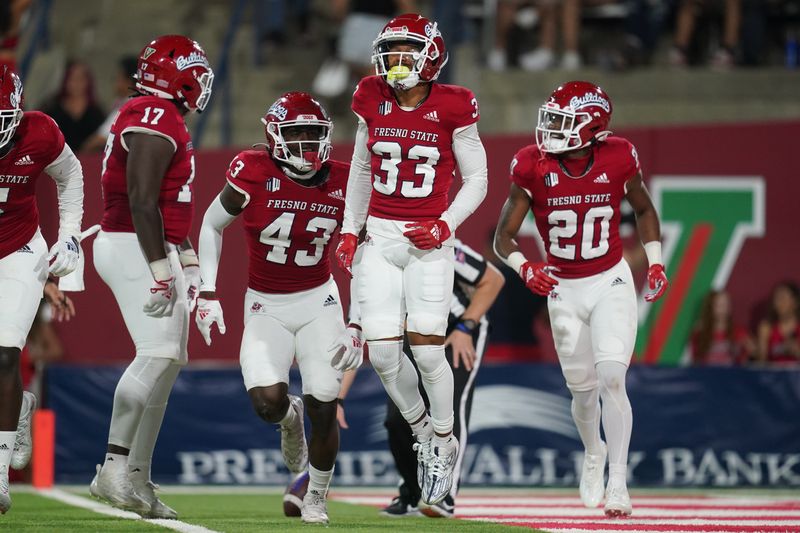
(5, 497)
(400, 507)
(113, 486)
(22, 445)
(438, 479)
(444, 509)
(618, 502)
(315, 508)
(592, 486)
(293, 439)
(146, 490)
(423, 449)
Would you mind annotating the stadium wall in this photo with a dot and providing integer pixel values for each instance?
(728, 196)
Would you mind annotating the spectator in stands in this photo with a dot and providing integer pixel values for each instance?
(717, 340)
(123, 89)
(688, 13)
(779, 333)
(361, 22)
(74, 107)
(11, 13)
(550, 13)
(271, 24)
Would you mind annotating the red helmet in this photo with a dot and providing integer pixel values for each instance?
(309, 130)
(175, 67)
(419, 31)
(10, 104)
(576, 115)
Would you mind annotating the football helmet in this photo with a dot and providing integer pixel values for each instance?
(416, 30)
(10, 104)
(576, 115)
(298, 132)
(175, 67)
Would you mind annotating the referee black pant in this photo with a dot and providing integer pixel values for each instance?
(401, 439)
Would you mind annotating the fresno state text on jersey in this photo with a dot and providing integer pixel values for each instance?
(288, 225)
(154, 116)
(412, 162)
(37, 143)
(578, 218)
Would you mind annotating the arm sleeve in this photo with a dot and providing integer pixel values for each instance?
(359, 184)
(215, 220)
(471, 158)
(66, 171)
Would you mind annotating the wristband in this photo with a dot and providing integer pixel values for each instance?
(340, 401)
(653, 251)
(188, 258)
(515, 260)
(161, 269)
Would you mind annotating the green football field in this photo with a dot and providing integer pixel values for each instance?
(229, 513)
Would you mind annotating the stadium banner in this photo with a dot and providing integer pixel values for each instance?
(692, 427)
(726, 222)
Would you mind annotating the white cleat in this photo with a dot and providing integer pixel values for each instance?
(315, 508)
(5, 497)
(592, 486)
(23, 446)
(618, 502)
(146, 490)
(293, 439)
(439, 474)
(114, 487)
(423, 449)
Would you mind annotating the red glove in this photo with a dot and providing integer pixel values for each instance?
(345, 252)
(537, 277)
(657, 280)
(427, 234)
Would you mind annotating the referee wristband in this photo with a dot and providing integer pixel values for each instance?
(340, 401)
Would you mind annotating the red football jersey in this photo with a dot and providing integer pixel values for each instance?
(288, 225)
(578, 218)
(37, 143)
(154, 116)
(412, 151)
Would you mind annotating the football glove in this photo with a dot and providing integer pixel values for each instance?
(161, 299)
(64, 254)
(192, 276)
(657, 281)
(345, 251)
(348, 350)
(427, 234)
(537, 277)
(209, 312)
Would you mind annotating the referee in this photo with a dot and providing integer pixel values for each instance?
(476, 285)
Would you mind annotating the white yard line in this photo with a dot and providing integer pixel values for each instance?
(101, 508)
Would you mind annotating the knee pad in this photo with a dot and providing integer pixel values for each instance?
(427, 323)
(579, 378)
(385, 357)
(431, 362)
(611, 375)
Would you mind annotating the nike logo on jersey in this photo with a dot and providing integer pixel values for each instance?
(433, 115)
(330, 300)
(24, 160)
(602, 178)
(337, 195)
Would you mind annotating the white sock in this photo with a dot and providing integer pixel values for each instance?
(617, 413)
(290, 416)
(319, 480)
(617, 474)
(398, 377)
(116, 461)
(586, 414)
(7, 439)
(422, 430)
(141, 454)
(446, 441)
(437, 378)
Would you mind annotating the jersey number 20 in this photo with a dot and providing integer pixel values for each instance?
(564, 225)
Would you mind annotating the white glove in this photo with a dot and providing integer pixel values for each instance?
(208, 313)
(65, 253)
(349, 350)
(192, 276)
(162, 298)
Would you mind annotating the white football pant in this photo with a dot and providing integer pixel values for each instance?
(22, 277)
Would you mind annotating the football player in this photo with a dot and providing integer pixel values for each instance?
(143, 254)
(291, 198)
(573, 181)
(412, 132)
(30, 142)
